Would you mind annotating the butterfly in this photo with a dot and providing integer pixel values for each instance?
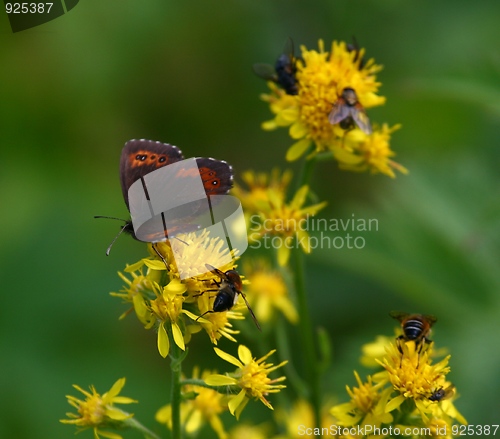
(139, 159)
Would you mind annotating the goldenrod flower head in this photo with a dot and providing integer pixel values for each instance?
(300, 415)
(187, 255)
(217, 324)
(251, 377)
(160, 298)
(97, 411)
(375, 351)
(410, 370)
(361, 152)
(268, 291)
(276, 217)
(322, 77)
(367, 405)
(248, 431)
(256, 197)
(205, 406)
(137, 289)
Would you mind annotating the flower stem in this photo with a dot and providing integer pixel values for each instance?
(176, 357)
(136, 425)
(308, 167)
(307, 340)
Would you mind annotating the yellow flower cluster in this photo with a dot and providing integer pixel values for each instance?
(411, 392)
(163, 301)
(98, 411)
(322, 76)
(269, 215)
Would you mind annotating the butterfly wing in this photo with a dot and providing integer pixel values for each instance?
(216, 175)
(140, 157)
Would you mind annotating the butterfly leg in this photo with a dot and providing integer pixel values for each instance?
(161, 256)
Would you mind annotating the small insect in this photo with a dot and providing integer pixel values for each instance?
(348, 112)
(415, 326)
(284, 70)
(229, 289)
(442, 393)
(354, 47)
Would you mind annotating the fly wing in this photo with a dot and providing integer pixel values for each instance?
(265, 71)
(217, 272)
(339, 112)
(360, 118)
(399, 315)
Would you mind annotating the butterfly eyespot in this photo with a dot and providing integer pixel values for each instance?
(162, 159)
(152, 157)
(215, 183)
(141, 157)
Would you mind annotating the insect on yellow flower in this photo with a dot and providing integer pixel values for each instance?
(328, 111)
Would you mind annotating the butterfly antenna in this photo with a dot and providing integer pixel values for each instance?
(119, 233)
(116, 237)
(110, 217)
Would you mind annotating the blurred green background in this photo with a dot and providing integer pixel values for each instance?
(75, 89)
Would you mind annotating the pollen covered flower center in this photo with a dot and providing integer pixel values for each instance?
(93, 410)
(254, 379)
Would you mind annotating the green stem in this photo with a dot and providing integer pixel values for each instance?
(176, 357)
(284, 351)
(136, 425)
(307, 339)
(196, 382)
(308, 167)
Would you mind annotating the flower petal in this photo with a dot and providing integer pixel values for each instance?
(394, 403)
(244, 354)
(298, 130)
(115, 389)
(163, 342)
(107, 434)
(178, 338)
(235, 402)
(298, 149)
(228, 358)
(283, 255)
(220, 380)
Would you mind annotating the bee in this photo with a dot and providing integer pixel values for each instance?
(415, 326)
(442, 393)
(348, 112)
(284, 70)
(229, 289)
